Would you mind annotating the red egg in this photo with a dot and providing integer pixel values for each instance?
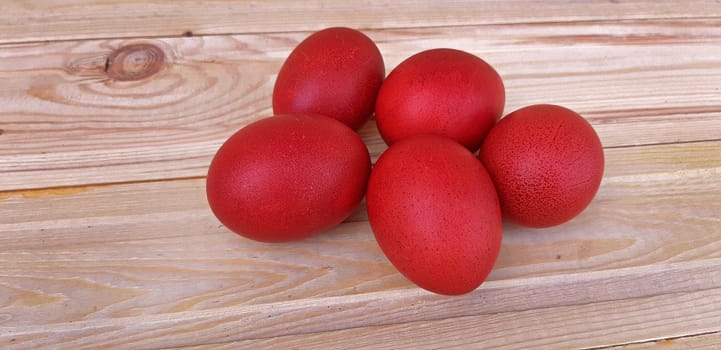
(441, 91)
(435, 214)
(546, 162)
(335, 72)
(288, 177)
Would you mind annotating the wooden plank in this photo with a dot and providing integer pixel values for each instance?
(66, 121)
(595, 309)
(587, 326)
(45, 20)
(106, 240)
(127, 265)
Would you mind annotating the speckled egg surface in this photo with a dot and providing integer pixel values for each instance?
(288, 177)
(546, 162)
(335, 72)
(435, 214)
(440, 91)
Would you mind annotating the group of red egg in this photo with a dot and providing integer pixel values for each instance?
(434, 205)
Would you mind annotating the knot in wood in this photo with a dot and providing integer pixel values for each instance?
(135, 62)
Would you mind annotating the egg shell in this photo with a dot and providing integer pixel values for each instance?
(435, 214)
(335, 72)
(288, 177)
(440, 91)
(546, 162)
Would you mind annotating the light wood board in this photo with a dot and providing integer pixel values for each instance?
(106, 239)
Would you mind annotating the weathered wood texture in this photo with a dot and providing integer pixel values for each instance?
(108, 119)
(66, 121)
(42, 20)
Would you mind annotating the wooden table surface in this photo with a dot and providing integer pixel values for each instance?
(110, 112)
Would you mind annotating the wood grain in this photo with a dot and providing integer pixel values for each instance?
(655, 80)
(111, 110)
(585, 326)
(150, 256)
(22, 21)
(516, 314)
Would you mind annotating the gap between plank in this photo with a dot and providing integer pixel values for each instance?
(610, 347)
(663, 143)
(69, 188)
